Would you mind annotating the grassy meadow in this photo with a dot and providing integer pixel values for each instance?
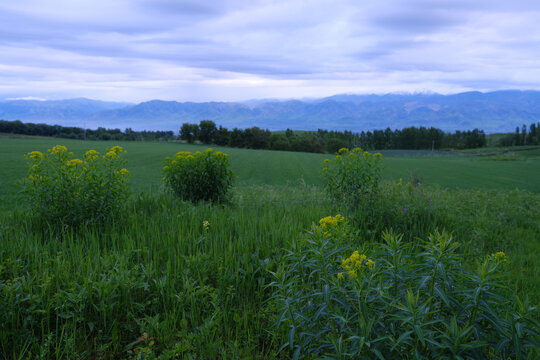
(463, 170)
(156, 283)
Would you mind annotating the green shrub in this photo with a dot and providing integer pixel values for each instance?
(63, 190)
(394, 303)
(200, 176)
(352, 178)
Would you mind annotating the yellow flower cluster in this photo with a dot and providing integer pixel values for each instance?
(343, 151)
(186, 155)
(182, 154)
(124, 172)
(221, 155)
(354, 263)
(91, 155)
(74, 162)
(330, 222)
(58, 149)
(206, 225)
(499, 256)
(35, 155)
(114, 152)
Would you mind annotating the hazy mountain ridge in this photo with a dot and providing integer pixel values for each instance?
(499, 111)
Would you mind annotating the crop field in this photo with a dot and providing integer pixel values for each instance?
(170, 279)
(279, 168)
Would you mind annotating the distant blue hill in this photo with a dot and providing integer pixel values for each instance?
(499, 111)
(69, 112)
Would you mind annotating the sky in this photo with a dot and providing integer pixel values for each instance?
(233, 50)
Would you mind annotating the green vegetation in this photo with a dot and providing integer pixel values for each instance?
(63, 190)
(260, 167)
(70, 132)
(395, 303)
(352, 179)
(202, 176)
(526, 136)
(331, 141)
(173, 279)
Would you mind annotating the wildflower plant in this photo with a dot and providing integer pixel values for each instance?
(390, 302)
(64, 190)
(352, 178)
(199, 176)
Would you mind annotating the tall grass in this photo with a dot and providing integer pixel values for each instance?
(171, 279)
(194, 290)
(203, 292)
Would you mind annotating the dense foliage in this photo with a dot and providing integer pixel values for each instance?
(396, 303)
(71, 132)
(352, 179)
(321, 141)
(523, 137)
(202, 176)
(62, 189)
(177, 280)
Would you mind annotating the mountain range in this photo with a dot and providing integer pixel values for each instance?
(499, 111)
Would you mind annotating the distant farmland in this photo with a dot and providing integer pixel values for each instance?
(258, 167)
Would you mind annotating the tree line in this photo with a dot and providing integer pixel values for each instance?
(320, 141)
(69, 132)
(523, 136)
(207, 132)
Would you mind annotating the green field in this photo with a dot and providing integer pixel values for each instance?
(156, 271)
(280, 168)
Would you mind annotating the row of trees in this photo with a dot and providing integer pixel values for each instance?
(207, 132)
(253, 138)
(69, 132)
(319, 141)
(523, 137)
(410, 138)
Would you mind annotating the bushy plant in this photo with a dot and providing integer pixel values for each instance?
(352, 178)
(394, 303)
(201, 176)
(63, 190)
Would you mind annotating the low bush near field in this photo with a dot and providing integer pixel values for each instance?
(352, 178)
(199, 176)
(65, 190)
(393, 302)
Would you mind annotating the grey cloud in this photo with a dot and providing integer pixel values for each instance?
(16, 26)
(414, 22)
(187, 8)
(388, 42)
(204, 8)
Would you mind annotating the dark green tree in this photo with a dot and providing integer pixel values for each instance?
(189, 132)
(334, 144)
(222, 136)
(279, 142)
(207, 131)
(237, 138)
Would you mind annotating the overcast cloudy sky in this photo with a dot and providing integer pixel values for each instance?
(226, 50)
